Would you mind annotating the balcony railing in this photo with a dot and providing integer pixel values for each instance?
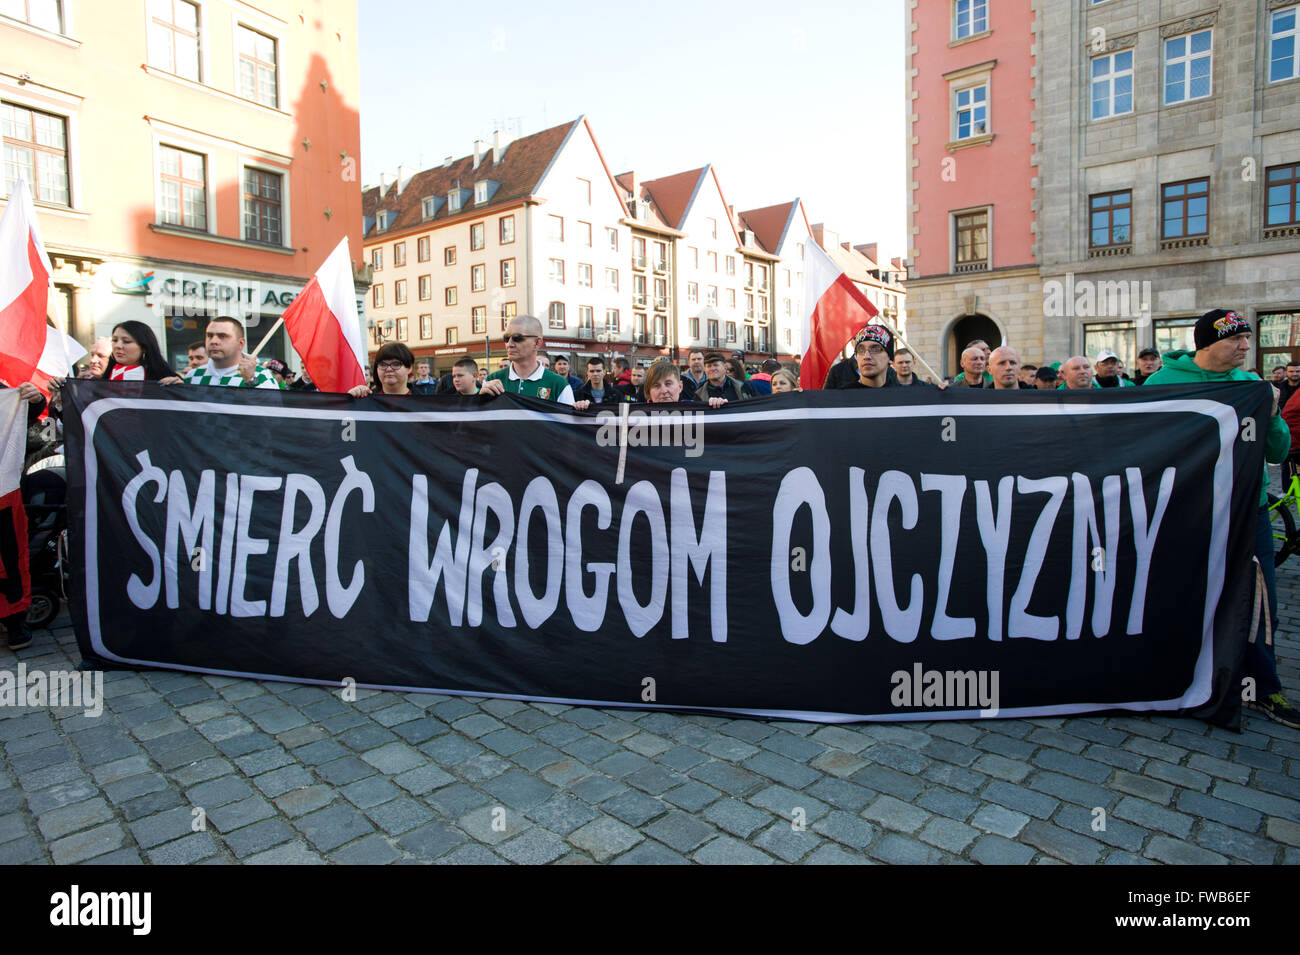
(638, 299)
(714, 342)
(981, 266)
(661, 340)
(586, 334)
(661, 265)
(661, 302)
(638, 261)
(640, 338)
(1282, 231)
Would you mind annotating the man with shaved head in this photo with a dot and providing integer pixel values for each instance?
(1077, 373)
(1004, 364)
(524, 374)
(973, 362)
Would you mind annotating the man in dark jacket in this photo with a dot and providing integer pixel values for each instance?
(874, 353)
(718, 384)
(598, 389)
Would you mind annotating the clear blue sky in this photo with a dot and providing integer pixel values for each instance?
(783, 99)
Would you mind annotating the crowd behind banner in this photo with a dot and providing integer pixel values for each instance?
(877, 360)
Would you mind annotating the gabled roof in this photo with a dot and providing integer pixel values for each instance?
(518, 174)
(656, 217)
(771, 224)
(675, 194)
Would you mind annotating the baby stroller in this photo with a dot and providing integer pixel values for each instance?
(45, 493)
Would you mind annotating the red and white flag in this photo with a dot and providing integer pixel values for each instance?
(62, 351)
(325, 328)
(24, 288)
(834, 309)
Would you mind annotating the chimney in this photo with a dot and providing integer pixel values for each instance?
(634, 185)
(480, 150)
(869, 250)
(846, 247)
(386, 179)
(404, 174)
(500, 141)
(448, 161)
(731, 214)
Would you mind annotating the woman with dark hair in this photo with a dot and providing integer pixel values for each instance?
(137, 357)
(392, 370)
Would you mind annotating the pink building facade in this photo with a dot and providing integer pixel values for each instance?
(972, 163)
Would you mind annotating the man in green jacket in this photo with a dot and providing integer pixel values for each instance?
(1223, 344)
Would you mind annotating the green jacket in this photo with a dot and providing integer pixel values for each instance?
(1179, 367)
(1062, 387)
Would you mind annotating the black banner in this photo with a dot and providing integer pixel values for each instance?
(839, 555)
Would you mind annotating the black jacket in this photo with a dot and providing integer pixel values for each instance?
(613, 394)
(730, 389)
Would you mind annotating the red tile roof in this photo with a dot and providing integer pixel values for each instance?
(518, 173)
(770, 223)
(656, 215)
(673, 194)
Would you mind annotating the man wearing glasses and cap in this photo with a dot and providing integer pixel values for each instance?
(525, 375)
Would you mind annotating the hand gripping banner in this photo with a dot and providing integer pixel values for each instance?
(833, 556)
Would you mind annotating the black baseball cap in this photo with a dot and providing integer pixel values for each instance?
(1046, 373)
(1154, 353)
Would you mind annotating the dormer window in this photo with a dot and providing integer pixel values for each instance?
(383, 219)
(429, 207)
(453, 201)
(480, 193)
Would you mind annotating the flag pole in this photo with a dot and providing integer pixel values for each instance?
(267, 337)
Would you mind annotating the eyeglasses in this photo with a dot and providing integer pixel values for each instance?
(390, 365)
(517, 338)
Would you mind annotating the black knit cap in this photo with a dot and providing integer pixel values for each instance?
(1218, 324)
(878, 334)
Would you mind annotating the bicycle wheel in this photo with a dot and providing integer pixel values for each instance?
(1284, 529)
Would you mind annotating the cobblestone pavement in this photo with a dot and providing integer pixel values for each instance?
(292, 774)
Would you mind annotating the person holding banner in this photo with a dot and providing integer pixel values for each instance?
(874, 352)
(228, 365)
(663, 382)
(137, 357)
(392, 369)
(1223, 345)
(525, 374)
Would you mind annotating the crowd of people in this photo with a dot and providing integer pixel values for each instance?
(1222, 339)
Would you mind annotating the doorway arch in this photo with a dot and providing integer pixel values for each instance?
(964, 330)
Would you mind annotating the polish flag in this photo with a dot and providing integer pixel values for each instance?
(24, 288)
(61, 353)
(834, 309)
(324, 326)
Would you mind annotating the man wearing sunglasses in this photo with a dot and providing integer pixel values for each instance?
(525, 374)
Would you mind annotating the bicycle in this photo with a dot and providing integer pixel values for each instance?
(1286, 537)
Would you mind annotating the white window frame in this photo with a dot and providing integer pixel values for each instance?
(453, 201)
(555, 270)
(983, 83)
(1293, 34)
(480, 193)
(203, 28)
(67, 108)
(1185, 62)
(270, 34)
(189, 145)
(586, 282)
(611, 274)
(971, 30)
(286, 219)
(478, 278)
(428, 207)
(478, 320)
(1110, 78)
